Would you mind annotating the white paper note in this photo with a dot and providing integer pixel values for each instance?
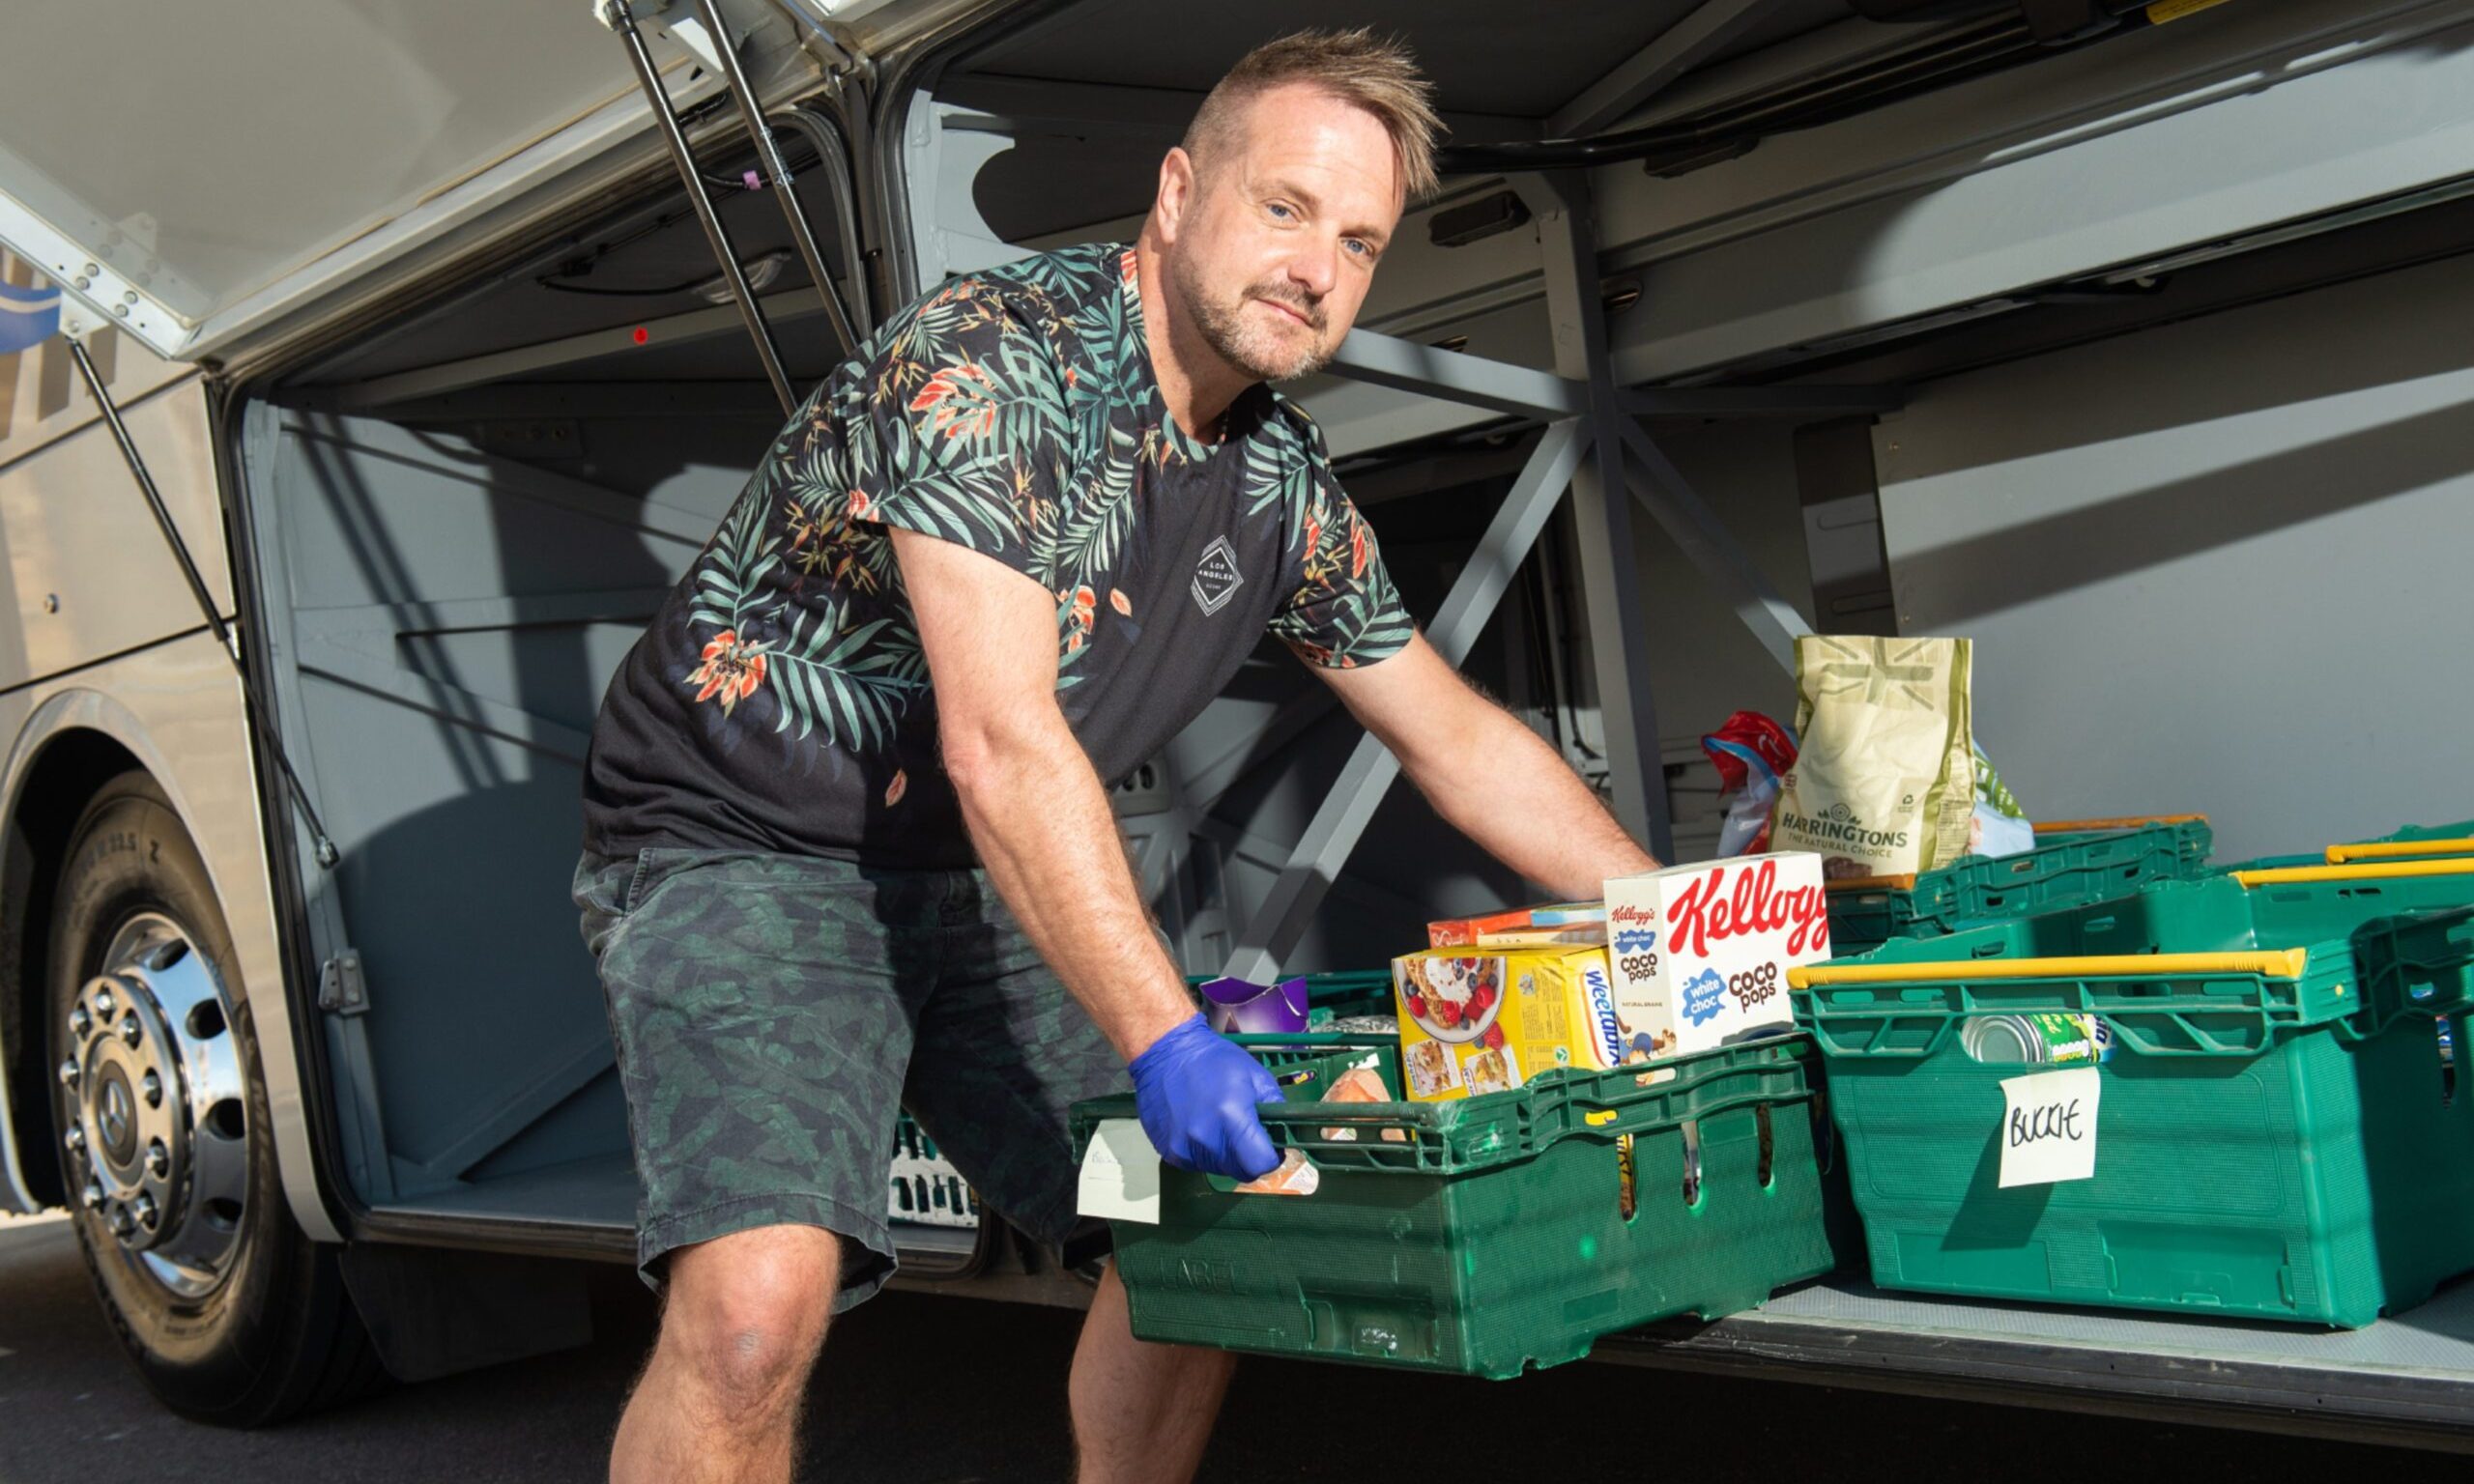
(2049, 1127)
(1121, 1173)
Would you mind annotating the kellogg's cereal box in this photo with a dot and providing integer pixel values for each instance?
(1701, 953)
(1485, 1021)
(1567, 921)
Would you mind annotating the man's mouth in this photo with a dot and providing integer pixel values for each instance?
(1293, 312)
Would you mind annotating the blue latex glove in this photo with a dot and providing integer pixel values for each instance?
(1196, 1091)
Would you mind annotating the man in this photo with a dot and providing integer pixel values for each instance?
(847, 838)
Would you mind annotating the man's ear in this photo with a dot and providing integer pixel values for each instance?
(1176, 193)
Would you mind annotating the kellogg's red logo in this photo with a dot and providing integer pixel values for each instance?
(1744, 903)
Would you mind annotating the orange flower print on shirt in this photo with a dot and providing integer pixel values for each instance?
(732, 670)
(861, 507)
(1118, 601)
(974, 415)
(899, 785)
(1083, 604)
(1357, 549)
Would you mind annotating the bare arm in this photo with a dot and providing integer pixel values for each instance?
(1492, 778)
(1035, 809)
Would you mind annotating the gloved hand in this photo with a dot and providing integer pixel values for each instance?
(1196, 1091)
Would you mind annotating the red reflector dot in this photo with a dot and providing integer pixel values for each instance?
(643, 334)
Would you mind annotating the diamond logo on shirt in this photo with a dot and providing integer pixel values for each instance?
(1216, 576)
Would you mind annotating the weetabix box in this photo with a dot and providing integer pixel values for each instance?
(1479, 1021)
(1701, 951)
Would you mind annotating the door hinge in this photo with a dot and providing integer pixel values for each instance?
(342, 990)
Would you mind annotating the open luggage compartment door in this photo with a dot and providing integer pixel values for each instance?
(215, 168)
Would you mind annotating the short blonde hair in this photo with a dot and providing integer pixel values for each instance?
(1357, 66)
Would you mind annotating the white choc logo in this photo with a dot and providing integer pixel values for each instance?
(1216, 576)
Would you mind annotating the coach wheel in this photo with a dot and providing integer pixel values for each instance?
(231, 1313)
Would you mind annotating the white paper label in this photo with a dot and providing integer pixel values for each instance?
(1121, 1173)
(2049, 1127)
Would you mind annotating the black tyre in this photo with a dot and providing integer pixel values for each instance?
(232, 1315)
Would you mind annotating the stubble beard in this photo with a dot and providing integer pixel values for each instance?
(1247, 345)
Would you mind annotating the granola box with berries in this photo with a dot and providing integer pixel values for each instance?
(1701, 953)
(1485, 1020)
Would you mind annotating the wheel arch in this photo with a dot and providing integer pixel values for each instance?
(77, 740)
(44, 798)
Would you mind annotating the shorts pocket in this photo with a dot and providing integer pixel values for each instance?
(599, 891)
(657, 866)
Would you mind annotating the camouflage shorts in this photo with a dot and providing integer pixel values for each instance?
(771, 1012)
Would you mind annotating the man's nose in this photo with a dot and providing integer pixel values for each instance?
(1315, 265)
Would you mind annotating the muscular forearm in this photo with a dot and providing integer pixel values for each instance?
(1502, 786)
(1050, 844)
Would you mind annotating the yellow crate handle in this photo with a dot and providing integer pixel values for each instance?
(2376, 870)
(2269, 964)
(2126, 822)
(2392, 849)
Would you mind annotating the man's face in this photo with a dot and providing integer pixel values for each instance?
(1275, 243)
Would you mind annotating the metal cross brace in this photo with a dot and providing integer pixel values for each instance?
(1690, 522)
(1276, 925)
(1379, 360)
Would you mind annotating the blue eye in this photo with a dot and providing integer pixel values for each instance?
(1358, 246)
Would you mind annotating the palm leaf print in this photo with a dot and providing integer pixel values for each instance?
(1371, 622)
(959, 501)
(851, 686)
(1277, 472)
(1094, 529)
(734, 565)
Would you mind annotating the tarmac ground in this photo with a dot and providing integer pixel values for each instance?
(917, 1388)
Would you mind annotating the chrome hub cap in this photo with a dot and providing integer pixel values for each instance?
(159, 1141)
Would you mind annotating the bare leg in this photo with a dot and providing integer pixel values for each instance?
(741, 1324)
(1141, 1412)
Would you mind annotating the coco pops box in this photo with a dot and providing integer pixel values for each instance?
(1486, 1021)
(1701, 953)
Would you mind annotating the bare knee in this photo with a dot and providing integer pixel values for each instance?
(746, 1313)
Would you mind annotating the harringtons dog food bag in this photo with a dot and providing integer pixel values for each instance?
(1885, 783)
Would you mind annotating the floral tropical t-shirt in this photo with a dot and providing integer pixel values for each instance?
(780, 700)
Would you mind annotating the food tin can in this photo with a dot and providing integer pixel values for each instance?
(2075, 1038)
(2043, 1039)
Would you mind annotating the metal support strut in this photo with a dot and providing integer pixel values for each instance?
(328, 854)
(769, 155)
(623, 18)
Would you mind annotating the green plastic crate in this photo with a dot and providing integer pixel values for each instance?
(1493, 1240)
(2411, 834)
(924, 1189)
(2278, 1148)
(2463, 829)
(2065, 868)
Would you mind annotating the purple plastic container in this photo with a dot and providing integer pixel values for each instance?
(1238, 1006)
